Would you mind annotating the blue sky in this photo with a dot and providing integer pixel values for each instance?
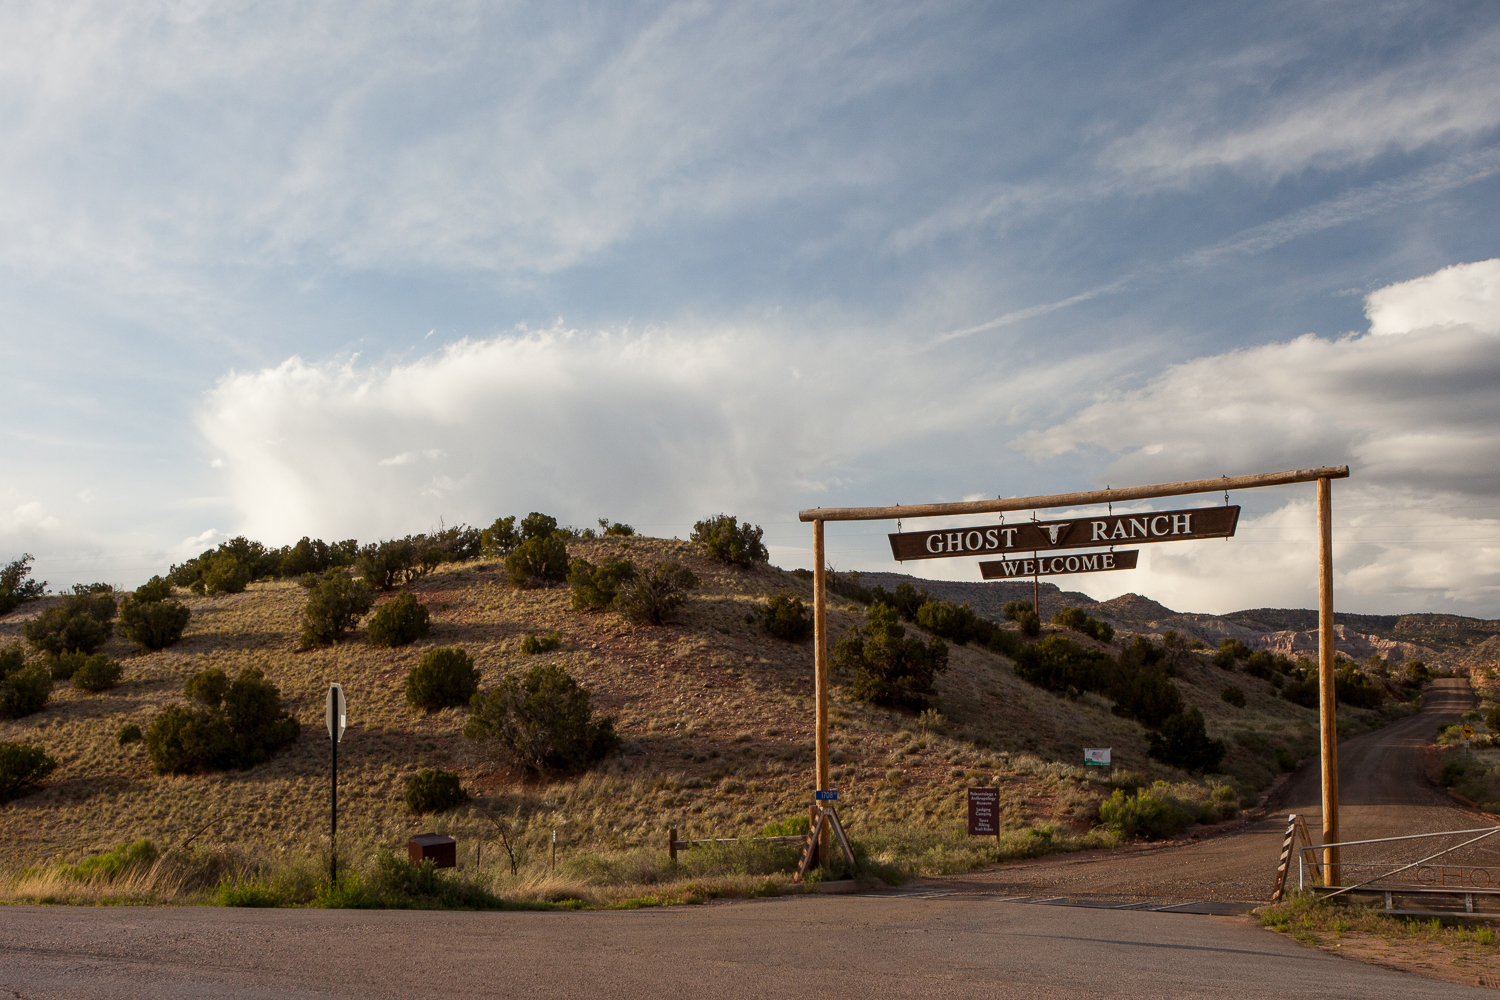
(353, 270)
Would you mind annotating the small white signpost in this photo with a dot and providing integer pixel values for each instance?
(335, 716)
(1096, 756)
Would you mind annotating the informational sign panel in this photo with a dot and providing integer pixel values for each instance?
(1084, 562)
(1096, 756)
(1078, 533)
(984, 812)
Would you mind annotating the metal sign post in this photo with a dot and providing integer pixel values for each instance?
(334, 714)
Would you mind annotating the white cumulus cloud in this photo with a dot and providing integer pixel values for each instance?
(1416, 417)
(656, 426)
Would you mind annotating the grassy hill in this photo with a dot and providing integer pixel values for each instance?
(715, 715)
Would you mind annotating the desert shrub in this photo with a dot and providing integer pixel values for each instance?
(654, 597)
(499, 539)
(1137, 681)
(1492, 718)
(129, 733)
(256, 717)
(606, 529)
(187, 741)
(24, 692)
(1260, 664)
(1002, 642)
(234, 724)
(223, 574)
(596, 587)
(1140, 685)
(537, 525)
(395, 562)
(81, 623)
(1147, 696)
(1353, 687)
(12, 659)
(1075, 619)
(1417, 672)
(151, 621)
(535, 644)
(1024, 615)
(1223, 803)
(227, 568)
(15, 588)
(1234, 696)
(399, 621)
(1302, 691)
(1153, 813)
(445, 677)
(887, 667)
(1182, 741)
(207, 687)
(459, 543)
(956, 622)
(907, 600)
(541, 722)
(431, 791)
(335, 604)
(843, 584)
(64, 666)
(1229, 653)
(155, 589)
(538, 561)
(1453, 770)
(97, 673)
(785, 616)
(134, 856)
(23, 768)
(1063, 666)
(793, 826)
(725, 539)
(313, 555)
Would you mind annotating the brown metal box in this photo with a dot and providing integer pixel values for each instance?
(442, 850)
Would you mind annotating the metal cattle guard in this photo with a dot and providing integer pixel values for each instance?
(1324, 477)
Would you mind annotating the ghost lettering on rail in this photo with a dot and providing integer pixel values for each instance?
(1049, 565)
(1083, 532)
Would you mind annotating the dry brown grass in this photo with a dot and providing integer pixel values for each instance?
(1455, 951)
(716, 719)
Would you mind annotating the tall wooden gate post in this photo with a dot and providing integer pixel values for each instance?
(1327, 694)
(820, 667)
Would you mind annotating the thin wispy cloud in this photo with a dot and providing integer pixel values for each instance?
(355, 269)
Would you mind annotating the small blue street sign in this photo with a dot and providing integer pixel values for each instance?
(826, 796)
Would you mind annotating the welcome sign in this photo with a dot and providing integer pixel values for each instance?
(1087, 562)
(1079, 533)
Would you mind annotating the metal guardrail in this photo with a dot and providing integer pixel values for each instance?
(1418, 886)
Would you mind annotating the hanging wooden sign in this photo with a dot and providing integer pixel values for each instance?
(1078, 533)
(1045, 565)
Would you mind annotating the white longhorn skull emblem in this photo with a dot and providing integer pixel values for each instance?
(1056, 531)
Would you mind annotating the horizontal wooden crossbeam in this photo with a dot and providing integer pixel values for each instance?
(1074, 499)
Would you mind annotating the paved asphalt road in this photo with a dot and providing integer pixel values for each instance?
(831, 946)
(967, 942)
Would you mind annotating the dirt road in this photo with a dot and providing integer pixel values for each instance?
(1384, 792)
